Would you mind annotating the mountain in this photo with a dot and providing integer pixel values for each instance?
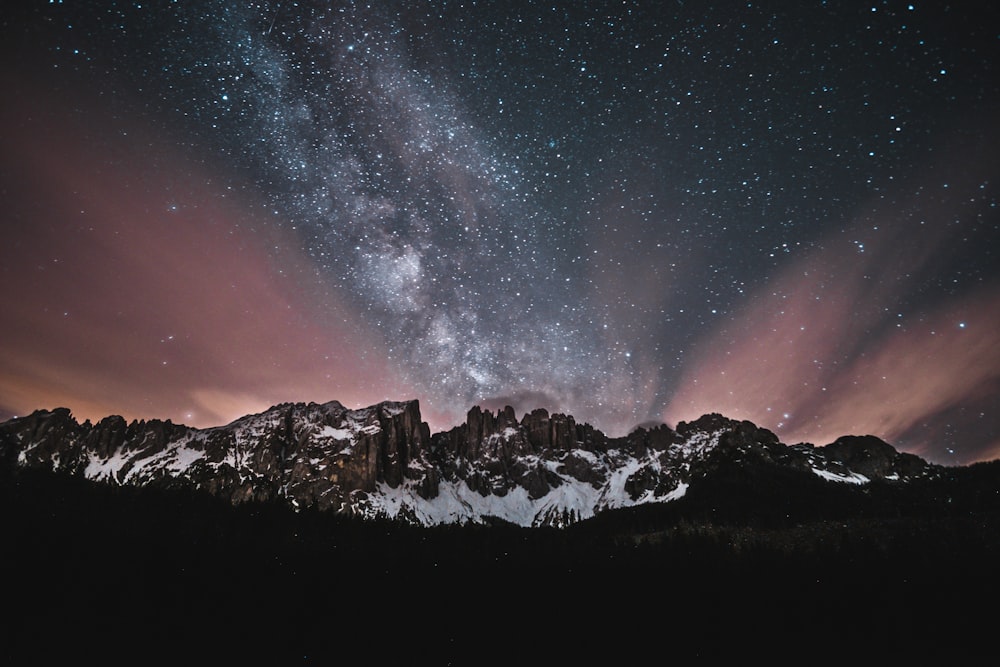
(383, 462)
(315, 533)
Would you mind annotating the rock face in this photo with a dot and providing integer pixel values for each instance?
(382, 460)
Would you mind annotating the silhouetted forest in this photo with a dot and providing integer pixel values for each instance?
(752, 562)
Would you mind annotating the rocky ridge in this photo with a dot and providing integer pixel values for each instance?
(382, 461)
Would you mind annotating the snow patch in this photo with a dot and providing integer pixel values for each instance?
(852, 478)
(331, 433)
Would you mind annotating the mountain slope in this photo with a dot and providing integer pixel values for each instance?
(382, 461)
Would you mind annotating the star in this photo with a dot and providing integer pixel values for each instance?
(629, 212)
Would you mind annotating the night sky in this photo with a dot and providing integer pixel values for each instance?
(631, 212)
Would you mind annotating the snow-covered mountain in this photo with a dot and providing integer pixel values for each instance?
(382, 461)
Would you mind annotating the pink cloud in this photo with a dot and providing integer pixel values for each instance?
(140, 287)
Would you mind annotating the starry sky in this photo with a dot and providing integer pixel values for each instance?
(631, 212)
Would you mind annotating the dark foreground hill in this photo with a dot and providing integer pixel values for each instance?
(735, 568)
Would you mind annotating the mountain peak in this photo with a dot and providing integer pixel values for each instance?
(873, 457)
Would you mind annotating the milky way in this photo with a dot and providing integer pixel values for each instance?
(627, 211)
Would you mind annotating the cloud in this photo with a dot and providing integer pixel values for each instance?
(143, 289)
(847, 339)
